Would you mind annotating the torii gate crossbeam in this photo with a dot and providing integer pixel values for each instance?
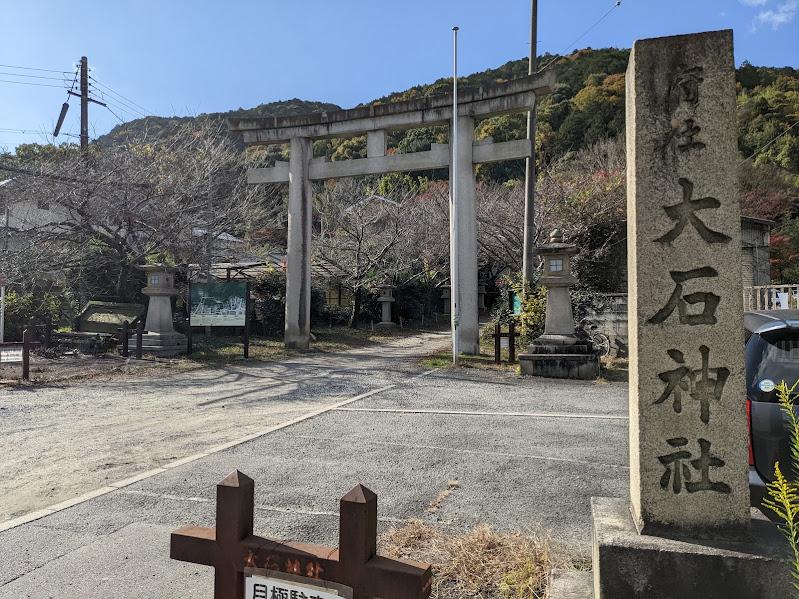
(517, 96)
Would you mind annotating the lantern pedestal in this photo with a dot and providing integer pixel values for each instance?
(160, 337)
(558, 353)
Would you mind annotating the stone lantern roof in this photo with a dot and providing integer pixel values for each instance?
(557, 245)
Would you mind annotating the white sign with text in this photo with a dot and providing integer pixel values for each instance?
(261, 587)
(10, 355)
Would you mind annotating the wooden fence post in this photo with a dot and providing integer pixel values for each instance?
(511, 342)
(497, 343)
(139, 333)
(124, 340)
(26, 355)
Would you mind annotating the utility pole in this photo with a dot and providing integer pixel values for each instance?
(84, 104)
(528, 258)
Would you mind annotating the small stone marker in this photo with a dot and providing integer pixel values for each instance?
(688, 454)
(233, 550)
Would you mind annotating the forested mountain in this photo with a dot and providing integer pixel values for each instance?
(158, 126)
(586, 106)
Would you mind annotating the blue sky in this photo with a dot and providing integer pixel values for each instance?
(175, 57)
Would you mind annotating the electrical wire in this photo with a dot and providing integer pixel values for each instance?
(616, 4)
(116, 93)
(115, 114)
(767, 144)
(119, 105)
(11, 66)
(31, 83)
(33, 76)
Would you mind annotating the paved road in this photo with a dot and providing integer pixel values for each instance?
(528, 455)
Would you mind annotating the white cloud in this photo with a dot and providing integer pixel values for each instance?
(776, 18)
(753, 2)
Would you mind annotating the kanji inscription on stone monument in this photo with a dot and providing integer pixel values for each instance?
(688, 467)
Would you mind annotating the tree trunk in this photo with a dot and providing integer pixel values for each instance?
(356, 307)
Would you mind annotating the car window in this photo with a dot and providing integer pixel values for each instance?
(771, 357)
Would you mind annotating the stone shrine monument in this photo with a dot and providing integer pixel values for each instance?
(386, 299)
(558, 353)
(160, 338)
(686, 530)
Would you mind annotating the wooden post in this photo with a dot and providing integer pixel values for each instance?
(497, 343)
(232, 547)
(357, 542)
(247, 321)
(139, 333)
(189, 347)
(26, 355)
(48, 333)
(124, 338)
(511, 342)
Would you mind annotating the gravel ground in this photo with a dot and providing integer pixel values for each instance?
(527, 455)
(60, 441)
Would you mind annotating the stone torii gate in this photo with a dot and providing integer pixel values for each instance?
(375, 121)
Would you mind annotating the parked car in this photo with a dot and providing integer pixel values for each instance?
(771, 356)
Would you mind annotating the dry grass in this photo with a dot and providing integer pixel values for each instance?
(481, 564)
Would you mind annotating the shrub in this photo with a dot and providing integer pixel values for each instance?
(32, 308)
(783, 493)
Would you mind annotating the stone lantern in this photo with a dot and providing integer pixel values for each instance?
(386, 299)
(559, 353)
(160, 337)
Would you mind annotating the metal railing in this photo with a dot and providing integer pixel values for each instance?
(771, 297)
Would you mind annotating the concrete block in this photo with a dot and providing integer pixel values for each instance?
(570, 584)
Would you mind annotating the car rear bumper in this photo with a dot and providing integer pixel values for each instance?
(757, 489)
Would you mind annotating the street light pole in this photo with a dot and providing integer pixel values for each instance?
(528, 257)
(454, 220)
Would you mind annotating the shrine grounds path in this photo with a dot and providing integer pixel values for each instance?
(527, 454)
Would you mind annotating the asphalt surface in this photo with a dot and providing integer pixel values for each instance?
(528, 455)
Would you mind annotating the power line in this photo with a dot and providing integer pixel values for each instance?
(33, 76)
(103, 85)
(616, 5)
(31, 83)
(119, 104)
(771, 141)
(115, 114)
(11, 66)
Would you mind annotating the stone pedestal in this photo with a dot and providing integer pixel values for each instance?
(160, 338)
(386, 299)
(558, 353)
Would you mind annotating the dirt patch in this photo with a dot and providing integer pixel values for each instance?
(78, 367)
(481, 564)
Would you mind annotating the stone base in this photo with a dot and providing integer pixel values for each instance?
(387, 325)
(632, 566)
(560, 361)
(160, 344)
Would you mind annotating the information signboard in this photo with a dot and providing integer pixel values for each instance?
(11, 355)
(266, 584)
(219, 304)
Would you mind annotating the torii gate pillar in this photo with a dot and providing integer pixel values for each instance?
(298, 257)
(466, 254)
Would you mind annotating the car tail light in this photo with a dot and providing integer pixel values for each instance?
(749, 430)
